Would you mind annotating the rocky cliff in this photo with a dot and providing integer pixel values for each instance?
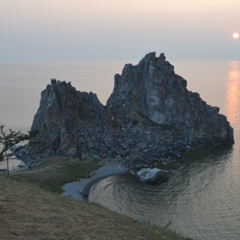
(150, 115)
(71, 122)
(153, 90)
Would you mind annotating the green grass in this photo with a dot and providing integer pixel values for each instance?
(54, 172)
(30, 208)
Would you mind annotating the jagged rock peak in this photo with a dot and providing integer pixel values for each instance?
(154, 91)
(147, 65)
(63, 114)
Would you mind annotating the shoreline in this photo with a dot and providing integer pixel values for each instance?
(88, 186)
(79, 190)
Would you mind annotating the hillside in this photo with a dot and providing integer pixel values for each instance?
(29, 211)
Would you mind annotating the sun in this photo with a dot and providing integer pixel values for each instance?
(236, 35)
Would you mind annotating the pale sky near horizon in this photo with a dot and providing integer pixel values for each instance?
(72, 30)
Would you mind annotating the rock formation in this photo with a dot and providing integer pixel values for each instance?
(152, 175)
(150, 115)
(152, 90)
(72, 123)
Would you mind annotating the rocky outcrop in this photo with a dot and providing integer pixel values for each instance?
(152, 175)
(150, 115)
(152, 90)
(73, 123)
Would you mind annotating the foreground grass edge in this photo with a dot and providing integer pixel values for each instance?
(29, 211)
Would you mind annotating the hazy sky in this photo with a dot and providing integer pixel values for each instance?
(70, 30)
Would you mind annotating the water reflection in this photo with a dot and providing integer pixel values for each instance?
(192, 197)
(201, 199)
(232, 95)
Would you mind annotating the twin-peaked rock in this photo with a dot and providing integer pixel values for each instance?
(150, 114)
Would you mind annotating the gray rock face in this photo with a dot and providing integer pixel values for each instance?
(150, 115)
(154, 91)
(72, 123)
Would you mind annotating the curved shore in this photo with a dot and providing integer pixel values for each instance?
(88, 186)
(79, 190)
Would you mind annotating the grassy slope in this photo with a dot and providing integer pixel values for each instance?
(57, 171)
(30, 212)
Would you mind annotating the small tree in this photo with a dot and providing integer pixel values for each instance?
(10, 139)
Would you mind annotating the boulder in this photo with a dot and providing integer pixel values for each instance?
(152, 175)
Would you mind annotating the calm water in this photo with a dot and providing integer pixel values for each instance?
(21, 85)
(202, 198)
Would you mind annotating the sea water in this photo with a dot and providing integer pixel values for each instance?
(202, 198)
